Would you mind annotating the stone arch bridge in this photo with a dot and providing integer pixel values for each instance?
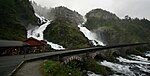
(79, 54)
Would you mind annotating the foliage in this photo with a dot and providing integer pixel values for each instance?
(15, 16)
(9, 32)
(63, 32)
(74, 68)
(92, 65)
(55, 68)
(63, 12)
(118, 31)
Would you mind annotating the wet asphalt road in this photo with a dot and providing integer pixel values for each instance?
(9, 63)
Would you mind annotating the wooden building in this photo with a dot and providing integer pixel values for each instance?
(8, 47)
(31, 45)
(36, 46)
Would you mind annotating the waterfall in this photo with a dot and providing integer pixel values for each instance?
(37, 32)
(134, 66)
(124, 69)
(90, 35)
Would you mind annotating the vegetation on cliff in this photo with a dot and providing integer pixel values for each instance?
(64, 12)
(12, 32)
(73, 68)
(113, 30)
(65, 33)
(55, 68)
(16, 16)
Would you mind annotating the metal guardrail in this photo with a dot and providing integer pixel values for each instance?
(94, 49)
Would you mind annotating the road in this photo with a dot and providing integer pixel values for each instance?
(30, 69)
(8, 63)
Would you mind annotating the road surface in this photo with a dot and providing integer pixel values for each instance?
(9, 63)
(30, 69)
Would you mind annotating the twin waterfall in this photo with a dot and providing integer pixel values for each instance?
(37, 33)
(134, 66)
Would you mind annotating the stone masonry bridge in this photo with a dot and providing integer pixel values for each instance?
(78, 54)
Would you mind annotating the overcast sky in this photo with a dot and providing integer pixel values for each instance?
(133, 8)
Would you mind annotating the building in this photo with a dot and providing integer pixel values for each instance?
(35, 46)
(31, 45)
(8, 47)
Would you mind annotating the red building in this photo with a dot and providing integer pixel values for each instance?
(36, 46)
(8, 47)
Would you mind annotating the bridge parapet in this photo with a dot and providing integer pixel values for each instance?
(99, 52)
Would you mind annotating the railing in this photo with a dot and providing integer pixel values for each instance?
(94, 49)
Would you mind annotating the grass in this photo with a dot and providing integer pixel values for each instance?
(73, 68)
(55, 68)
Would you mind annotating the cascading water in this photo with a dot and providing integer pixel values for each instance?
(136, 66)
(89, 73)
(147, 53)
(90, 35)
(37, 32)
(123, 69)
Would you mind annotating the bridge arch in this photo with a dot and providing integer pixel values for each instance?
(71, 58)
(93, 55)
(105, 55)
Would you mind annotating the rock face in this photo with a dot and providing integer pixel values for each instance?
(42, 11)
(64, 30)
(113, 30)
(63, 12)
(101, 14)
(65, 33)
(16, 16)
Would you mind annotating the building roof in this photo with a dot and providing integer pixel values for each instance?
(34, 42)
(8, 43)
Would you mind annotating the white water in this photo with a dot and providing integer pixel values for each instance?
(131, 61)
(138, 58)
(124, 69)
(147, 53)
(92, 74)
(42, 19)
(139, 66)
(37, 33)
(91, 36)
(143, 68)
(56, 46)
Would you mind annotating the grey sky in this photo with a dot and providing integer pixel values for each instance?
(133, 8)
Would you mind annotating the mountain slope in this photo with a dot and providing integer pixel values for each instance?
(65, 33)
(16, 16)
(63, 12)
(113, 30)
(42, 11)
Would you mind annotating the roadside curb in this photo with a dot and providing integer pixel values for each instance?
(17, 68)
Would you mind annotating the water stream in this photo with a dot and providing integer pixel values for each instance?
(90, 35)
(37, 32)
(135, 66)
